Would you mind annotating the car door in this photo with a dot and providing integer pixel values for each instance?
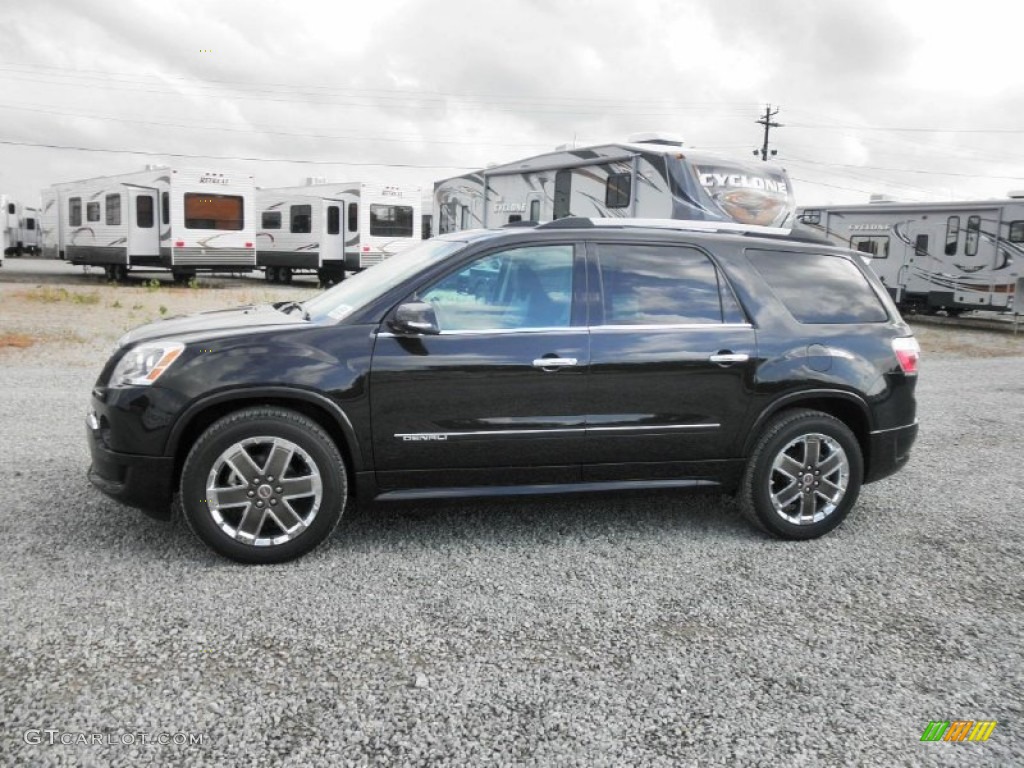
(672, 358)
(495, 398)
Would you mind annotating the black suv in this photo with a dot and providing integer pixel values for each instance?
(579, 355)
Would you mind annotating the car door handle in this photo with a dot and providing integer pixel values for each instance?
(725, 358)
(554, 362)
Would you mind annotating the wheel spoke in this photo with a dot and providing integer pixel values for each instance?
(812, 446)
(280, 457)
(233, 496)
(789, 466)
(252, 522)
(808, 506)
(241, 462)
(286, 517)
(830, 490)
(788, 495)
(295, 487)
(831, 464)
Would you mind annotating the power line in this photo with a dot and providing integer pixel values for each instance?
(831, 127)
(228, 157)
(766, 121)
(911, 170)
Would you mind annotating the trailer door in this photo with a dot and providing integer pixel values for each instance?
(332, 238)
(143, 232)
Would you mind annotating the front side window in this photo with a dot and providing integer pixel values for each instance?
(391, 220)
(973, 231)
(144, 211)
(520, 288)
(817, 288)
(271, 220)
(301, 219)
(876, 246)
(617, 190)
(113, 207)
(92, 211)
(75, 211)
(952, 235)
(206, 211)
(660, 285)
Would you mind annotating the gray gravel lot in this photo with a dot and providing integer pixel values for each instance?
(637, 629)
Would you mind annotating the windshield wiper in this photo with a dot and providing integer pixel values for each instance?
(288, 306)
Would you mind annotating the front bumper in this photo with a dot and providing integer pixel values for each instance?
(888, 451)
(145, 482)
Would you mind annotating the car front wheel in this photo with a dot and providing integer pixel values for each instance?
(803, 476)
(263, 485)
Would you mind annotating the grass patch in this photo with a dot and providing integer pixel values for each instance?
(48, 294)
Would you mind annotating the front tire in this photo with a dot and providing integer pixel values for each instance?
(263, 485)
(803, 476)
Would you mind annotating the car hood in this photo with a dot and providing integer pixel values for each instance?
(248, 318)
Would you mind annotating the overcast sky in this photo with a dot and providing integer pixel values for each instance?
(917, 100)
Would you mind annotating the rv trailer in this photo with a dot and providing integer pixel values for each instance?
(21, 227)
(178, 219)
(649, 176)
(5, 236)
(333, 228)
(932, 257)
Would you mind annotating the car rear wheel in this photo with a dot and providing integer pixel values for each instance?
(263, 485)
(803, 476)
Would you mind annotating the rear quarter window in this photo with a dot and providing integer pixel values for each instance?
(819, 288)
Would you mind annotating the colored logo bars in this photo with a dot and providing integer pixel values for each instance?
(959, 730)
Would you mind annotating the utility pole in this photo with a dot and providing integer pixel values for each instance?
(766, 121)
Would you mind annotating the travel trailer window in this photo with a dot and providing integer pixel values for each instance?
(535, 210)
(30, 223)
(113, 205)
(144, 211)
(656, 285)
(271, 220)
(514, 217)
(333, 220)
(464, 218)
(811, 217)
(617, 189)
(563, 194)
(973, 228)
(301, 219)
(353, 217)
(1017, 231)
(842, 294)
(165, 207)
(921, 245)
(206, 211)
(10, 208)
(952, 235)
(877, 246)
(447, 223)
(92, 211)
(75, 211)
(391, 220)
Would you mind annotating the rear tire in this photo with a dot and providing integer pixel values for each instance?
(270, 273)
(263, 485)
(803, 476)
(284, 275)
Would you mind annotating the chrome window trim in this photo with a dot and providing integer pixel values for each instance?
(579, 329)
(673, 327)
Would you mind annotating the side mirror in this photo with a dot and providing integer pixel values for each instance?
(415, 317)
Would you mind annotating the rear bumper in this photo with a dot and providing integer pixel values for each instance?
(888, 451)
(144, 482)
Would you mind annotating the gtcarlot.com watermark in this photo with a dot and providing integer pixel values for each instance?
(54, 737)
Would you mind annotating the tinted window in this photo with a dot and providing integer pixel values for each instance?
(75, 211)
(658, 285)
(391, 220)
(876, 246)
(971, 241)
(1017, 231)
(952, 235)
(921, 245)
(810, 217)
(301, 219)
(92, 211)
(113, 206)
(519, 288)
(514, 217)
(30, 223)
(425, 225)
(206, 211)
(11, 208)
(165, 207)
(563, 194)
(353, 217)
(464, 221)
(333, 220)
(271, 220)
(144, 211)
(819, 289)
(617, 189)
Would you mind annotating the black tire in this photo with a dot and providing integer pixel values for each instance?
(120, 273)
(261, 430)
(270, 273)
(284, 275)
(108, 273)
(823, 497)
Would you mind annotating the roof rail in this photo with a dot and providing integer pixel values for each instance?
(570, 222)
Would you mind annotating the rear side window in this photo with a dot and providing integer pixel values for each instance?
(662, 285)
(817, 288)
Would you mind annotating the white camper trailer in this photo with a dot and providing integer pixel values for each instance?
(184, 220)
(20, 225)
(333, 228)
(650, 176)
(934, 256)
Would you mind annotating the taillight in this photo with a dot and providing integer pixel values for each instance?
(908, 352)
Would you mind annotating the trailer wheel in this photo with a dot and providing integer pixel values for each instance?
(108, 273)
(120, 273)
(270, 273)
(284, 275)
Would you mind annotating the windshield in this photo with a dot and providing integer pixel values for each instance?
(362, 288)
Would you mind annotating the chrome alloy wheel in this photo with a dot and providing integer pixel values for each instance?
(264, 491)
(808, 479)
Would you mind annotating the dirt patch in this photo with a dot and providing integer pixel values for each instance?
(17, 340)
(959, 342)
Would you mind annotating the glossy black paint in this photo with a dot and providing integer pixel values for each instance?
(644, 406)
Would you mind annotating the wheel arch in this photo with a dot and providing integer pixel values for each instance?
(201, 414)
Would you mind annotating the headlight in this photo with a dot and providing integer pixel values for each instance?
(146, 363)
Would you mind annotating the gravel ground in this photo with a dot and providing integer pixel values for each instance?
(635, 629)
